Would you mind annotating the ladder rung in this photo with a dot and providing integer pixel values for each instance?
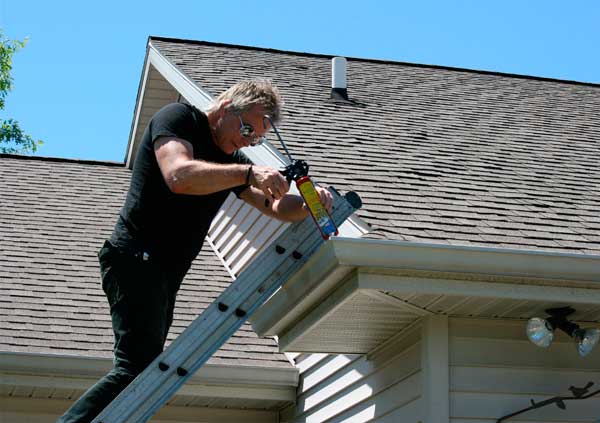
(220, 320)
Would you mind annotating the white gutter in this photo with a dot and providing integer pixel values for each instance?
(465, 259)
(429, 268)
(76, 372)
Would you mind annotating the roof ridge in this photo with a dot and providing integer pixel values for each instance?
(383, 61)
(61, 159)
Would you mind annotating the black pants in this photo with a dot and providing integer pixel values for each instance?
(141, 295)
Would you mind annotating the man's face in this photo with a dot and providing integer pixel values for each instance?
(227, 132)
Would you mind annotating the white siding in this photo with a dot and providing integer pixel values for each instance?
(383, 386)
(495, 371)
(239, 232)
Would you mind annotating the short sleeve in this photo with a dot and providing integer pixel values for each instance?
(241, 158)
(174, 120)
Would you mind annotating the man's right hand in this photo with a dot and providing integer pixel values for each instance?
(270, 181)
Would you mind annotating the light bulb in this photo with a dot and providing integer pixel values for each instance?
(540, 332)
(587, 340)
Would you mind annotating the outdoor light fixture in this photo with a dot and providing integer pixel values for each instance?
(541, 331)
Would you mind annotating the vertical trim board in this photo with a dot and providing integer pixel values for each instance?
(435, 370)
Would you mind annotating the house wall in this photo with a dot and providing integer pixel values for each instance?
(495, 371)
(383, 385)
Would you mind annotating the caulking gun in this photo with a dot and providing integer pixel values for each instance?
(297, 171)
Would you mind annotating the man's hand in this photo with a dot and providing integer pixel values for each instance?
(269, 181)
(326, 198)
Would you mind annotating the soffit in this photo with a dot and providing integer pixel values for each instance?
(338, 303)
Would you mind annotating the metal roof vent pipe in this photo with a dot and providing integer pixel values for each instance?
(339, 89)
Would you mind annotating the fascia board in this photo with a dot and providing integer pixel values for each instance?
(388, 265)
(328, 305)
(73, 372)
(495, 262)
(313, 282)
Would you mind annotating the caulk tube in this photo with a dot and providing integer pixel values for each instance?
(317, 210)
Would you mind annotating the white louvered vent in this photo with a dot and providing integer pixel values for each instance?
(239, 232)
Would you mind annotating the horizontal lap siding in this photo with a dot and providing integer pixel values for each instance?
(496, 371)
(344, 388)
(239, 233)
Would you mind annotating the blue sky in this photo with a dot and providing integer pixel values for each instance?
(75, 83)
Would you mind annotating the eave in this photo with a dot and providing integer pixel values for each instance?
(270, 386)
(354, 294)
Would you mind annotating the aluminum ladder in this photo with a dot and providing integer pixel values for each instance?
(221, 319)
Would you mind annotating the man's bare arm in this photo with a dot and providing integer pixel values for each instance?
(185, 175)
(289, 208)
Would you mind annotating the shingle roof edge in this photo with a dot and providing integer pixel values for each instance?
(62, 160)
(383, 61)
(61, 365)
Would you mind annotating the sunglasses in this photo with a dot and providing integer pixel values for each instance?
(247, 131)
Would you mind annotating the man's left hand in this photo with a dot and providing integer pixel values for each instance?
(326, 198)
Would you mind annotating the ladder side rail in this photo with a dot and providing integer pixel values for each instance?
(210, 345)
(145, 395)
(206, 323)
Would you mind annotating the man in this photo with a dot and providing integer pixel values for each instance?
(186, 165)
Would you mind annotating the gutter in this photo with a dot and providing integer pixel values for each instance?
(212, 380)
(386, 265)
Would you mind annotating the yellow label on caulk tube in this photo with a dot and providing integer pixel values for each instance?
(316, 208)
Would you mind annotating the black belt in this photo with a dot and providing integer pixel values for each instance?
(131, 251)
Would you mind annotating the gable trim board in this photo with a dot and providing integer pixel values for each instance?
(180, 82)
(328, 290)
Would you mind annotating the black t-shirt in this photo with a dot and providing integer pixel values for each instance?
(171, 227)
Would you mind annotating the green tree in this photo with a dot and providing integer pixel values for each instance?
(12, 138)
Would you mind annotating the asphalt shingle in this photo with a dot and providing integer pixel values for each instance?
(437, 154)
(54, 217)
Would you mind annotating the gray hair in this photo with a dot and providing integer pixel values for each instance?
(246, 94)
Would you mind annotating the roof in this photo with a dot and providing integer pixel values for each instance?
(54, 217)
(438, 155)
